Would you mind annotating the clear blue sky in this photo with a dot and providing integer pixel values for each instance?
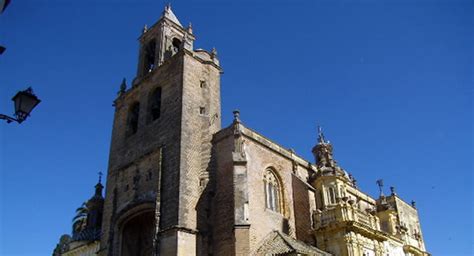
(390, 81)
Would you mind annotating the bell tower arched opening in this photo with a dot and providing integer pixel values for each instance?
(150, 56)
(176, 45)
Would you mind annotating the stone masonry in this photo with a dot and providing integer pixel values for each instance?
(178, 184)
(163, 166)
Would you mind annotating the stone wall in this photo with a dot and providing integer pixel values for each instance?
(133, 156)
(222, 207)
(304, 205)
(178, 142)
(88, 249)
(256, 221)
(408, 217)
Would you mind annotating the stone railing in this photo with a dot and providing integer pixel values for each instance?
(363, 218)
(344, 213)
(327, 218)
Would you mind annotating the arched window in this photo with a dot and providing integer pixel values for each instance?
(150, 55)
(332, 195)
(155, 104)
(176, 45)
(272, 191)
(133, 115)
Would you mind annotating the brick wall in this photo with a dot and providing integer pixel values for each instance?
(222, 211)
(302, 198)
(181, 132)
(260, 154)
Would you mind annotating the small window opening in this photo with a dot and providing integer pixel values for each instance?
(384, 226)
(133, 118)
(176, 45)
(332, 195)
(202, 110)
(155, 104)
(203, 84)
(150, 56)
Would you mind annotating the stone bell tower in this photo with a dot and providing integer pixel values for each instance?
(160, 150)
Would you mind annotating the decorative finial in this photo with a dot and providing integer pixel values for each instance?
(185, 38)
(190, 28)
(413, 204)
(166, 11)
(145, 29)
(353, 180)
(98, 186)
(392, 190)
(380, 184)
(213, 52)
(236, 115)
(123, 86)
(321, 138)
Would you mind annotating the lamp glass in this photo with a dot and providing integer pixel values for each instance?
(24, 102)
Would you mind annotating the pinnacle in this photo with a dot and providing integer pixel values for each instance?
(168, 13)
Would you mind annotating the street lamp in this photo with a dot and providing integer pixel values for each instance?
(24, 102)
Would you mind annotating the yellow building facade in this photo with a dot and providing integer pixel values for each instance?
(349, 222)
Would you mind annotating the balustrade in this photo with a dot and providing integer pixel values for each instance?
(343, 213)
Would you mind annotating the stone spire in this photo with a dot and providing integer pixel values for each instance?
(160, 42)
(123, 87)
(168, 13)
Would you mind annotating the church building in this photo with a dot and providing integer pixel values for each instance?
(178, 183)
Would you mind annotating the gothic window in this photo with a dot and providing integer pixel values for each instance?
(155, 104)
(176, 45)
(150, 56)
(272, 191)
(133, 115)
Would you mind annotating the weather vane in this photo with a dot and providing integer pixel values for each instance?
(380, 184)
(321, 138)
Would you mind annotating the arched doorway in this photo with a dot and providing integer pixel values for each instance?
(138, 234)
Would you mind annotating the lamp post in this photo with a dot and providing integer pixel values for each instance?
(24, 102)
